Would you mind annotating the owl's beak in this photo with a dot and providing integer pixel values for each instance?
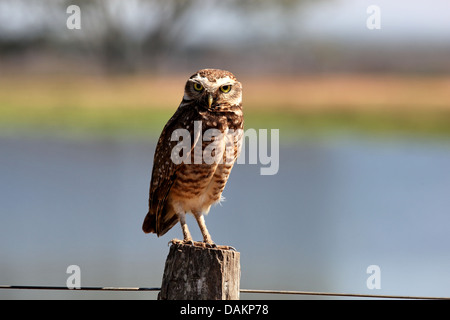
(210, 100)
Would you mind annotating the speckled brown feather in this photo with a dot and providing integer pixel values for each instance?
(160, 218)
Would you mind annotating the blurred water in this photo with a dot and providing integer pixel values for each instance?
(334, 208)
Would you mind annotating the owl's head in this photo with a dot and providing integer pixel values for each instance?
(214, 89)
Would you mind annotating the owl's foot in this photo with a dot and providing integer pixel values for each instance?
(202, 244)
(210, 244)
(226, 248)
(188, 242)
(174, 241)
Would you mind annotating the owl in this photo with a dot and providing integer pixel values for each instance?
(210, 120)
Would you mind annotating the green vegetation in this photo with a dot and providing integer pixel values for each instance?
(68, 121)
(149, 122)
(140, 107)
(373, 123)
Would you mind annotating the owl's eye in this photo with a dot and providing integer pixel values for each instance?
(198, 87)
(225, 88)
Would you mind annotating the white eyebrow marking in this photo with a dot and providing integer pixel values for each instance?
(224, 81)
(219, 82)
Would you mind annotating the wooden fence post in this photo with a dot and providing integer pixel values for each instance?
(198, 273)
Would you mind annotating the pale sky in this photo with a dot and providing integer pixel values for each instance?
(342, 20)
(400, 19)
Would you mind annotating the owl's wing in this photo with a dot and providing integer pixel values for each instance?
(160, 218)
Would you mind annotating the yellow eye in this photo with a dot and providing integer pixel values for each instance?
(198, 87)
(225, 88)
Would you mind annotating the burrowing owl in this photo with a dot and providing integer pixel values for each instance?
(190, 179)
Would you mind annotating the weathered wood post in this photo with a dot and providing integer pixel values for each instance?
(199, 273)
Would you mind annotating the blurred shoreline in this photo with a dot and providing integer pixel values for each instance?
(141, 104)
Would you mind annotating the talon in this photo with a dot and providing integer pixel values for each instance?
(210, 245)
(174, 241)
(227, 248)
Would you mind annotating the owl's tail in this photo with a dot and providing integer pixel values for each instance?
(159, 223)
(149, 225)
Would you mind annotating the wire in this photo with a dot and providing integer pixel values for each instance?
(80, 289)
(307, 293)
(335, 294)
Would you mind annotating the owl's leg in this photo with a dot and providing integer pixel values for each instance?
(201, 223)
(187, 238)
